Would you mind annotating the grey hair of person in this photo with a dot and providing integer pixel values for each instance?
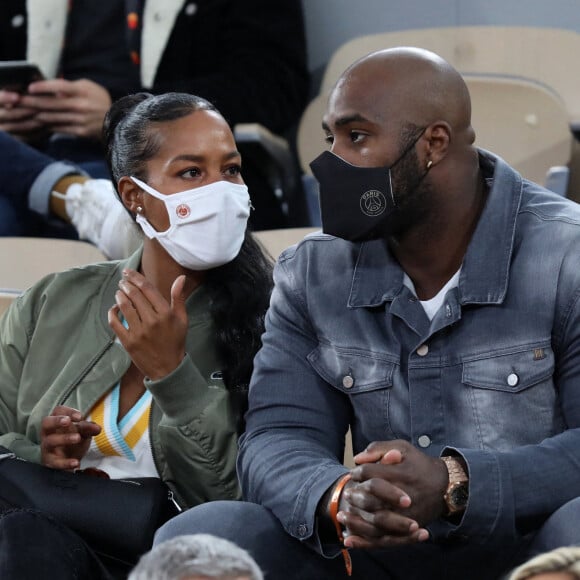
(196, 555)
(127, 129)
(565, 560)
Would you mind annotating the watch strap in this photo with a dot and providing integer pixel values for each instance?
(457, 478)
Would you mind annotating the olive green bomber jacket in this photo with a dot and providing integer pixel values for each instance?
(56, 348)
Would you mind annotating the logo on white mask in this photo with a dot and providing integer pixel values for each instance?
(206, 224)
(182, 211)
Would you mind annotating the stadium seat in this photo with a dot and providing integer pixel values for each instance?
(23, 261)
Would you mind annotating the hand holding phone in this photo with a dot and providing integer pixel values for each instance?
(16, 75)
(17, 118)
(29, 103)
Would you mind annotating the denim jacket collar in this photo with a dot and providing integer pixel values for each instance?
(484, 276)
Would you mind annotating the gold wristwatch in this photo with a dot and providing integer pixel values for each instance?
(457, 492)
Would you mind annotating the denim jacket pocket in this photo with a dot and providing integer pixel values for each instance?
(367, 379)
(352, 371)
(512, 372)
(503, 386)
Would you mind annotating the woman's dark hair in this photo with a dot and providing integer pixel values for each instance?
(240, 289)
(241, 294)
(129, 140)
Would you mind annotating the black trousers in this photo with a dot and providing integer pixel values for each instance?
(33, 546)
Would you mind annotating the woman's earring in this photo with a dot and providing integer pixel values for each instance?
(139, 209)
(429, 164)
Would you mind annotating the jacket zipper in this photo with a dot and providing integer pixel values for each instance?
(83, 374)
(86, 371)
(170, 492)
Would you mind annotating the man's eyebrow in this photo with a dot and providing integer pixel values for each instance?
(346, 120)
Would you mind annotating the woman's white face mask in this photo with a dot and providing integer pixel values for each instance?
(206, 224)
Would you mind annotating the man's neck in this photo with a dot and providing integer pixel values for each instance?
(431, 253)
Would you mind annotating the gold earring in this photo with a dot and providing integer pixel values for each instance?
(429, 164)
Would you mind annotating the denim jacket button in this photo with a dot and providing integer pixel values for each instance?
(513, 380)
(302, 530)
(424, 441)
(347, 381)
(423, 350)
(190, 8)
(17, 21)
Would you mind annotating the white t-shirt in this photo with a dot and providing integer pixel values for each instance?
(432, 305)
(123, 448)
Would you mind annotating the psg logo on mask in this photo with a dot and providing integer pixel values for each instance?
(373, 203)
(182, 210)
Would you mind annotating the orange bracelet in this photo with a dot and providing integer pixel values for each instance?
(333, 511)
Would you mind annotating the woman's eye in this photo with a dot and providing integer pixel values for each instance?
(193, 172)
(355, 136)
(329, 139)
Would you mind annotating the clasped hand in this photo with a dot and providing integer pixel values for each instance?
(394, 492)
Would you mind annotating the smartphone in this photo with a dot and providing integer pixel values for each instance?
(16, 75)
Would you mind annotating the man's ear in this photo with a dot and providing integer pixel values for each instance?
(131, 194)
(438, 137)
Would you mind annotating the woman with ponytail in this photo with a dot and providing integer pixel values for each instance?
(139, 368)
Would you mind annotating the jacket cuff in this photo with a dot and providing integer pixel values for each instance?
(303, 525)
(182, 394)
(41, 189)
(486, 498)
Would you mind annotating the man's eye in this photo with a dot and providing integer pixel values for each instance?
(329, 139)
(355, 136)
(234, 170)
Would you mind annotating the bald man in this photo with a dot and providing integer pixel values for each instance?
(437, 316)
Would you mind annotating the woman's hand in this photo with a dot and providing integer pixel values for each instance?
(157, 330)
(65, 437)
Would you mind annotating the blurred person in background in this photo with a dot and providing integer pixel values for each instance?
(196, 557)
(559, 564)
(248, 58)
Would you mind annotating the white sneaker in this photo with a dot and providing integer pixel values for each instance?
(100, 217)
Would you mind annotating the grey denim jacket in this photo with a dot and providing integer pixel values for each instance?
(495, 376)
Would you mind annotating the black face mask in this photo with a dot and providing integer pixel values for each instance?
(355, 202)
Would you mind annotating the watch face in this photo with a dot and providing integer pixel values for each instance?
(459, 495)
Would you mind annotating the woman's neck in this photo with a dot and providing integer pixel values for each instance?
(161, 270)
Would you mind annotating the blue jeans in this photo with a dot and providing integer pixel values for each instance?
(282, 557)
(21, 164)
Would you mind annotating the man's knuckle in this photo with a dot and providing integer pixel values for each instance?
(372, 485)
(364, 470)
